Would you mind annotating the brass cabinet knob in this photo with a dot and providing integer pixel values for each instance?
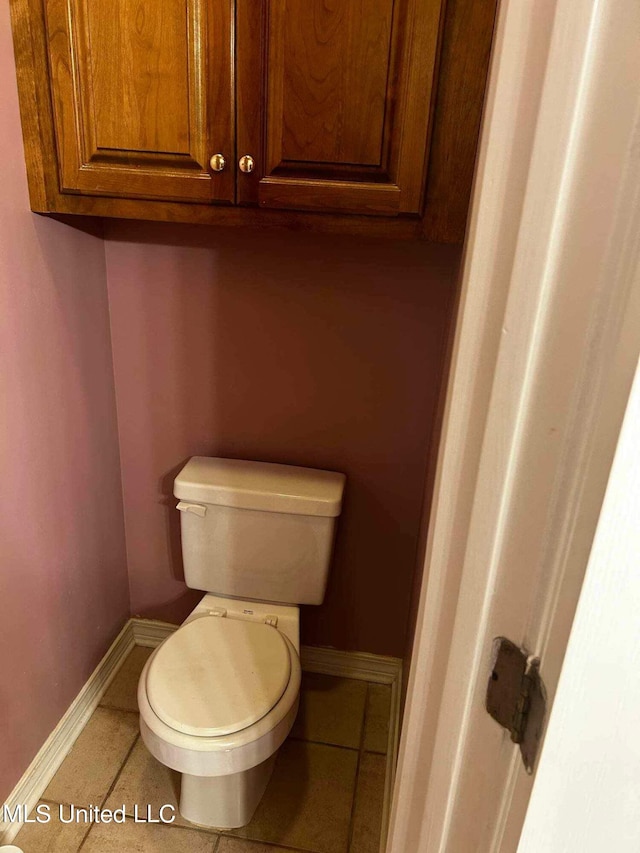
(246, 163)
(217, 162)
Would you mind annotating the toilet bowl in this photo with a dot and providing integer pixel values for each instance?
(217, 699)
(219, 696)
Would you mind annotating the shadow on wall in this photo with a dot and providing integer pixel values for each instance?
(174, 545)
(302, 349)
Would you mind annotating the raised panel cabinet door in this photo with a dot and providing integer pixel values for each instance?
(142, 94)
(334, 102)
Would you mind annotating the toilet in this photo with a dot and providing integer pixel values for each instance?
(219, 696)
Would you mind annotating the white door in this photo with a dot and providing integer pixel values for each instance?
(546, 345)
(586, 794)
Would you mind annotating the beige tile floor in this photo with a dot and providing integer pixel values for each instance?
(325, 795)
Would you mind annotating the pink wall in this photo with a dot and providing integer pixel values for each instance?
(280, 347)
(63, 584)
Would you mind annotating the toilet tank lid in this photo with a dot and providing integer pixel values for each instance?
(260, 485)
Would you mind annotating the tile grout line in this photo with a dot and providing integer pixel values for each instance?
(297, 739)
(84, 837)
(120, 769)
(210, 833)
(120, 710)
(111, 787)
(276, 845)
(56, 803)
(358, 765)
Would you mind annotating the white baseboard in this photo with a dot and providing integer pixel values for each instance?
(392, 753)
(150, 633)
(56, 747)
(359, 665)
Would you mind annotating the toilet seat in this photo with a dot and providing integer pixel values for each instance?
(225, 754)
(217, 676)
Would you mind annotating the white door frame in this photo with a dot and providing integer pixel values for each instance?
(546, 345)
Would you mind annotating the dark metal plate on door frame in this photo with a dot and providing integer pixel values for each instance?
(516, 697)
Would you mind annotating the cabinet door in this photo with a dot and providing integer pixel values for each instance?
(334, 101)
(142, 97)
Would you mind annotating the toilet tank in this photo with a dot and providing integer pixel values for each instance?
(256, 529)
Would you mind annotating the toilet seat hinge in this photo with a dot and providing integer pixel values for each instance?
(217, 611)
(271, 620)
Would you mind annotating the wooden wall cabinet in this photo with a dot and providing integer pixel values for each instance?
(252, 111)
(328, 96)
(141, 91)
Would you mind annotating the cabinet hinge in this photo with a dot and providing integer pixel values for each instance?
(516, 697)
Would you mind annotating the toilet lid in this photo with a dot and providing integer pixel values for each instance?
(216, 676)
